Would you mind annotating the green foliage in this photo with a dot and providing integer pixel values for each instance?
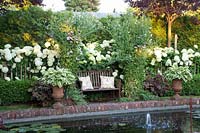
(192, 87)
(76, 96)
(82, 5)
(187, 30)
(87, 26)
(25, 27)
(145, 96)
(134, 77)
(159, 31)
(36, 128)
(63, 33)
(15, 91)
(58, 77)
(129, 32)
(178, 72)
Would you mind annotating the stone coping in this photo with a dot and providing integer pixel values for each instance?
(95, 107)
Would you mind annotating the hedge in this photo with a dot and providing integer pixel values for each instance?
(14, 91)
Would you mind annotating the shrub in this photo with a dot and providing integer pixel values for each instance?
(41, 93)
(158, 85)
(25, 27)
(76, 96)
(192, 87)
(15, 91)
(134, 77)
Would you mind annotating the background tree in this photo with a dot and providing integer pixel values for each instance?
(170, 9)
(17, 4)
(82, 5)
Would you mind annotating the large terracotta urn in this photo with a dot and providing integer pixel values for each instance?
(177, 87)
(57, 94)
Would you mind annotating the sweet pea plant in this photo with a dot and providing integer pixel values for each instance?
(40, 57)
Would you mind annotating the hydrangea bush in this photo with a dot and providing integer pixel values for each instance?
(168, 56)
(96, 55)
(37, 58)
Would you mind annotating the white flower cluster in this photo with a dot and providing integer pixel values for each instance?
(96, 53)
(115, 74)
(170, 56)
(13, 56)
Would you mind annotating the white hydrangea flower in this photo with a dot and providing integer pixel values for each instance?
(17, 59)
(169, 49)
(164, 54)
(91, 45)
(36, 49)
(191, 51)
(49, 63)
(7, 78)
(181, 63)
(115, 73)
(121, 77)
(17, 78)
(185, 56)
(28, 68)
(98, 58)
(8, 56)
(197, 54)
(47, 44)
(92, 58)
(28, 50)
(183, 51)
(153, 61)
(44, 68)
(177, 52)
(38, 62)
(189, 62)
(196, 46)
(39, 68)
(7, 46)
(108, 56)
(168, 62)
(4, 69)
(177, 59)
(39, 54)
(158, 59)
(13, 65)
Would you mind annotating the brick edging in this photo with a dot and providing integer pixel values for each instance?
(98, 107)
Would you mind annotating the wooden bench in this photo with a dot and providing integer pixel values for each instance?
(96, 81)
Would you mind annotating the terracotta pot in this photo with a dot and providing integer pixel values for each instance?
(177, 87)
(58, 93)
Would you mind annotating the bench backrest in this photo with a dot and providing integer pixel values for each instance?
(95, 76)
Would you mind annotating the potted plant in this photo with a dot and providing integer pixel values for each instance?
(177, 74)
(58, 78)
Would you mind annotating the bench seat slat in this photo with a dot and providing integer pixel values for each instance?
(101, 89)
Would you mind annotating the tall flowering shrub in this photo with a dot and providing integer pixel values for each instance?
(96, 55)
(168, 56)
(38, 57)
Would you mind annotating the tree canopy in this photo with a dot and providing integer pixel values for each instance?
(17, 4)
(170, 9)
(82, 5)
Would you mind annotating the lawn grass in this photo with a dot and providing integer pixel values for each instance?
(16, 107)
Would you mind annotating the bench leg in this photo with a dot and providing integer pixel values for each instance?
(119, 93)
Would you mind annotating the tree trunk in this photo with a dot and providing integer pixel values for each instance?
(169, 34)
